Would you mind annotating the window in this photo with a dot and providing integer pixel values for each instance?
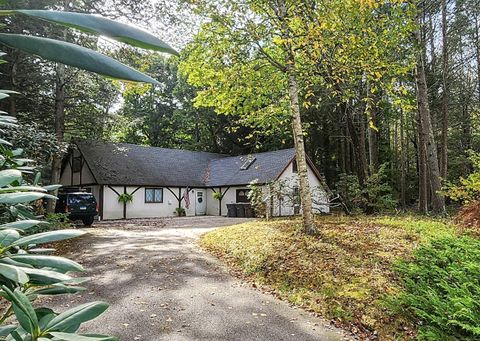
(294, 166)
(153, 195)
(248, 163)
(242, 195)
(77, 164)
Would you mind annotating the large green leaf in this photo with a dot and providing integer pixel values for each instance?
(13, 273)
(51, 188)
(22, 189)
(20, 197)
(100, 26)
(23, 309)
(76, 337)
(48, 237)
(5, 330)
(20, 225)
(8, 237)
(8, 176)
(45, 277)
(74, 55)
(54, 262)
(59, 289)
(76, 316)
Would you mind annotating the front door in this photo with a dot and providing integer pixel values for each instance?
(200, 202)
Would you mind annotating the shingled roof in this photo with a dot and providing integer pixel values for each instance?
(129, 164)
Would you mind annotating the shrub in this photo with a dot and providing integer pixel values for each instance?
(468, 189)
(442, 288)
(27, 271)
(376, 195)
(180, 212)
(58, 221)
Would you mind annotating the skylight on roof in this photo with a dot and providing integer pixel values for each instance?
(248, 163)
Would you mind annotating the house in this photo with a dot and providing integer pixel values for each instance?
(158, 178)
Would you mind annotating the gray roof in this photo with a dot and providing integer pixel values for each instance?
(129, 164)
(266, 168)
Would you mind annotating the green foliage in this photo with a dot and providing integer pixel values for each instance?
(39, 144)
(468, 188)
(125, 198)
(375, 196)
(58, 221)
(74, 55)
(442, 288)
(27, 271)
(217, 195)
(81, 57)
(24, 273)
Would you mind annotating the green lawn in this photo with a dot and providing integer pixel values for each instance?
(346, 273)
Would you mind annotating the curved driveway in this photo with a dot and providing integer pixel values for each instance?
(161, 286)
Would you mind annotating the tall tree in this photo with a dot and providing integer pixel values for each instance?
(426, 130)
(445, 90)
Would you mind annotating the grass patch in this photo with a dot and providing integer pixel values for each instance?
(343, 274)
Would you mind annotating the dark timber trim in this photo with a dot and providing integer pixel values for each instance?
(113, 189)
(124, 203)
(70, 162)
(221, 198)
(100, 201)
(178, 197)
(81, 169)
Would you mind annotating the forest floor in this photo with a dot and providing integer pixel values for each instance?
(346, 273)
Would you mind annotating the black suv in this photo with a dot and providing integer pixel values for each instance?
(78, 205)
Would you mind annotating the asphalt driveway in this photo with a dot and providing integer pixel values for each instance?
(161, 286)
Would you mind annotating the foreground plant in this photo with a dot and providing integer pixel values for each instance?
(28, 271)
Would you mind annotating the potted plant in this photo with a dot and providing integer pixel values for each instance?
(217, 196)
(125, 198)
(180, 212)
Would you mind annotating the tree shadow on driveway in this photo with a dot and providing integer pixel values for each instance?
(161, 286)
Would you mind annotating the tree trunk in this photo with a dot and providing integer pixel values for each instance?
(477, 48)
(403, 160)
(59, 127)
(438, 201)
(422, 169)
(373, 141)
(305, 193)
(444, 142)
(358, 144)
(59, 121)
(59, 118)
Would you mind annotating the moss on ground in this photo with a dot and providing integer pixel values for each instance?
(345, 273)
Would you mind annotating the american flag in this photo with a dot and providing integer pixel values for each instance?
(186, 197)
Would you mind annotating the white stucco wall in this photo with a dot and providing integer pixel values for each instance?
(86, 176)
(138, 208)
(285, 206)
(212, 204)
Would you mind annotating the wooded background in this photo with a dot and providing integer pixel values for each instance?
(389, 90)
